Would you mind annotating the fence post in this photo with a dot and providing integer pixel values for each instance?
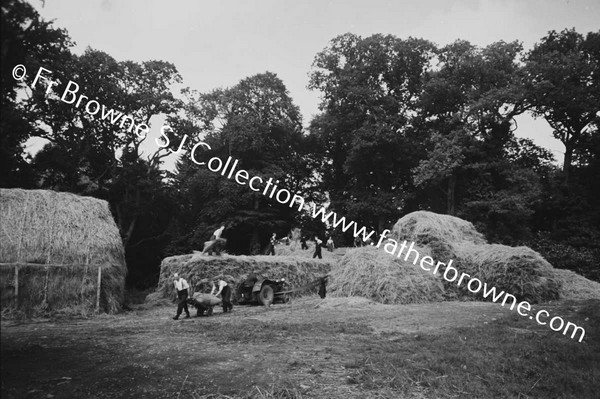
(16, 286)
(98, 293)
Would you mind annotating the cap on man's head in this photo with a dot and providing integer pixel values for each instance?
(175, 275)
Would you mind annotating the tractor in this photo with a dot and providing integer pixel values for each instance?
(262, 291)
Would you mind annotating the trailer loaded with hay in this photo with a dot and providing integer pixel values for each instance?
(60, 253)
(200, 269)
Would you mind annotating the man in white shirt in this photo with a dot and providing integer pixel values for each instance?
(225, 292)
(181, 286)
(217, 234)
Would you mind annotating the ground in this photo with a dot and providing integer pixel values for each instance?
(313, 348)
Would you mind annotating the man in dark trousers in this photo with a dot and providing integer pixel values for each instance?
(318, 244)
(181, 286)
(225, 291)
(303, 242)
(272, 243)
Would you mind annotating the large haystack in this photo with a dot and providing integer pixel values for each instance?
(519, 271)
(74, 235)
(197, 269)
(374, 274)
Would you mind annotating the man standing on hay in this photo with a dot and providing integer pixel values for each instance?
(181, 286)
(318, 244)
(272, 242)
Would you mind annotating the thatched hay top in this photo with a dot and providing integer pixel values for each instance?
(425, 228)
(377, 275)
(48, 227)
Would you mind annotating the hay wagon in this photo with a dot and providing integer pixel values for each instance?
(264, 292)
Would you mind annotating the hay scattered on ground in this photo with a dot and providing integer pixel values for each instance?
(575, 286)
(48, 227)
(519, 271)
(200, 270)
(374, 274)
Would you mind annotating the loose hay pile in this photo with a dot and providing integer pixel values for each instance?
(376, 275)
(40, 227)
(519, 271)
(198, 270)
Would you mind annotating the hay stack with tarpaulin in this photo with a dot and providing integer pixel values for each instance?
(200, 269)
(53, 245)
(519, 271)
(375, 274)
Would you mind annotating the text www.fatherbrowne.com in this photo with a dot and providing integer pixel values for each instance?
(270, 189)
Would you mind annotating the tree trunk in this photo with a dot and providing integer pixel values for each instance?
(451, 188)
(567, 161)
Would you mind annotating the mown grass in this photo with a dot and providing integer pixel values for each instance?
(509, 358)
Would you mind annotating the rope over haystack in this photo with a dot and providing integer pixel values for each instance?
(53, 244)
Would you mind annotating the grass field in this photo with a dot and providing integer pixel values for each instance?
(311, 348)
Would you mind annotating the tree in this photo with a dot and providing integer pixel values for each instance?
(370, 88)
(32, 42)
(564, 86)
(256, 123)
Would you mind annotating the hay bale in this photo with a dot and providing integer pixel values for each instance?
(519, 271)
(200, 270)
(576, 287)
(44, 227)
(376, 275)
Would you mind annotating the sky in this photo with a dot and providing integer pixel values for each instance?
(217, 43)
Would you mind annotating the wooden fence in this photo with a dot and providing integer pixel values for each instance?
(19, 265)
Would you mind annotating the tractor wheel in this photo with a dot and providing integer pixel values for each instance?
(266, 295)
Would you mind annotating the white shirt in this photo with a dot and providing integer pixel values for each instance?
(221, 285)
(218, 233)
(181, 284)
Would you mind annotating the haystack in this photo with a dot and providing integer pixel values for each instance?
(57, 241)
(576, 287)
(374, 274)
(519, 271)
(199, 269)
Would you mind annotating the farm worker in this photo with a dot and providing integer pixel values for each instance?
(225, 291)
(217, 234)
(303, 242)
(323, 287)
(318, 244)
(181, 286)
(272, 243)
(330, 244)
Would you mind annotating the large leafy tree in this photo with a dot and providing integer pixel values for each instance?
(28, 40)
(370, 89)
(469, 103)
(564, 86)
(256, 123)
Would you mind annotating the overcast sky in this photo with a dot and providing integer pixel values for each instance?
(218, 43)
